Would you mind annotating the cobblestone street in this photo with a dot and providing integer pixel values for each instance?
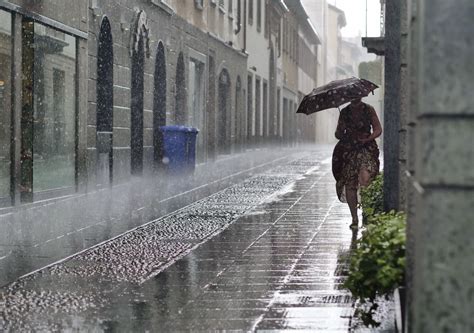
(268, 253)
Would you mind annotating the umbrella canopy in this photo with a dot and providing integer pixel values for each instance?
(335, 93)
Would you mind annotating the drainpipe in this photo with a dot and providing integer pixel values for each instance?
(245, 26)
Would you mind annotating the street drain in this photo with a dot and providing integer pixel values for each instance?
(338, 299)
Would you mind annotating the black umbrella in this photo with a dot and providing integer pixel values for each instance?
(334, 94)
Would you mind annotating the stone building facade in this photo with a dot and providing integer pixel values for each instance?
(98, 78)
(308, 43)
(191, 58)
(328, 20)
(131, 68)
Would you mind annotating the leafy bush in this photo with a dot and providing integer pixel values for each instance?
(377, 265)
(372, 198)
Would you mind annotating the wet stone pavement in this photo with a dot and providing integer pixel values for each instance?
(266, 254)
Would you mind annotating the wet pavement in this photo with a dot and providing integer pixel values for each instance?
(35, 235)
(266, 254)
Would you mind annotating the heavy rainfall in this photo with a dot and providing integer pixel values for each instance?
(236, 165)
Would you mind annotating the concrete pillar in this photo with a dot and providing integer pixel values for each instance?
(409, 205)
(442, 185)
(392, 105)
(404, 104)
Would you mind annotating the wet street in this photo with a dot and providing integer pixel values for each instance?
(267, 253)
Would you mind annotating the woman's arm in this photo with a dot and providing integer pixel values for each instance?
(340, 129)
(376, 127)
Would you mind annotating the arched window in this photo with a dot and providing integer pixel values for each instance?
(180, 105)
(159, 103)
(105, 101)
(223, 112)
(272, 95)
(138, 59)
(239, 123)
(249, 108)
(211, 109)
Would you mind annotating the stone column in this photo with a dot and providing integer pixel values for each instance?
(403, 105)
(443, 182)
(391, 105)
(410, 151)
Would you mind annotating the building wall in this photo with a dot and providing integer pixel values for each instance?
(72, 13)
(258, 62)
(220, 19)
(307, 81)
(326, 121)
(290, 52)
(290, 77)
(209, 34)
(439, 121)
(178, 36)
(318, 12)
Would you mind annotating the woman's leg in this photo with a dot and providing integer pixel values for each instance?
(364, 177)
(351, 197)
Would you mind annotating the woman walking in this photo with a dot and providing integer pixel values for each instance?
(355, 160)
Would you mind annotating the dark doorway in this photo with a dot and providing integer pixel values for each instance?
(105, 102)
(239, 116)
(211, 110)
(159, 104)
(138, 59)
(180, 105)
(272, 114)
(223, 143)
(278, 132)
(265, 110)
(285, 119)
(258, 110)
(249, 109)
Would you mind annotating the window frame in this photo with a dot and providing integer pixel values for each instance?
(7, 198)
(250, 12)
(259, 15)
(33, 195)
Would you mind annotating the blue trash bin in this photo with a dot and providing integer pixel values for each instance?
(179, 148)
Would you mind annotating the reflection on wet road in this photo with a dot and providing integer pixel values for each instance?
(268, 253)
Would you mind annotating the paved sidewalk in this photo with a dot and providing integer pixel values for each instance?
(35, 235)
(267, 254)
(284, 271)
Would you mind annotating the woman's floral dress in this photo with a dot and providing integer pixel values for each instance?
(350, 156)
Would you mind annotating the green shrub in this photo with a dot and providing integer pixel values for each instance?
(372, 198)
(377, 265)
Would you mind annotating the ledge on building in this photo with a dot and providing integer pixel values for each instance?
(374, 45)
(164, 5)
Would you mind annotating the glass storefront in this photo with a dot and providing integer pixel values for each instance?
(49, 109)
(5, 102)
